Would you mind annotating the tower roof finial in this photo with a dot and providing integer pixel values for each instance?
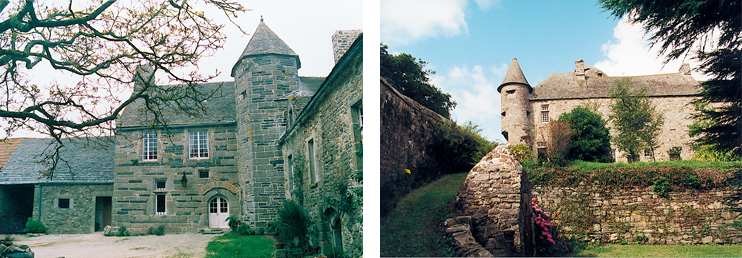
(261, 18)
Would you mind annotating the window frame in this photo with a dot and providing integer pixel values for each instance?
(201, 143)
(147, 143)
(545, 114)
(164, 185)
(68, 200)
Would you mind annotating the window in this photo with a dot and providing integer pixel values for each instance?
(544, 107)
(160, 185)
(510, 91)
(312, 162)
(356, 114)
(544, 113)
(160, 204)
(203, 173)
(198, 145)
(541, 145)
(149, 143)
(64, 203)
(290, 170)
(647, 153)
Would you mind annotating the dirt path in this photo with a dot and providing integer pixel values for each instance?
(97, 245)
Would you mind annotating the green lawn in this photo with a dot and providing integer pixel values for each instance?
(413, 228)
(664, 251)
(232, 245)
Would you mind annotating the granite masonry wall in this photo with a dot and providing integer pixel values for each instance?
(78, 217)
(135, 192)
(689, 217)
(673, 133)
(260, 121)
(495, 197)
(332, 123)
(341, 42)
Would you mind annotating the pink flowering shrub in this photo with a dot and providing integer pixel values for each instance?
(542, 229)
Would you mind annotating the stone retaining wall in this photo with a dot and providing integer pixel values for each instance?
(689, 217)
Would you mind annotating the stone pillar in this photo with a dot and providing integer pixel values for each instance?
(492, 195)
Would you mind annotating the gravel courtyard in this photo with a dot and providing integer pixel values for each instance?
(97, 245)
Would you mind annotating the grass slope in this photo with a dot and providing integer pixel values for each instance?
(413, 228)
(664, 251)
(232, 245)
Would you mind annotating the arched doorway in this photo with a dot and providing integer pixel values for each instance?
(218, 212)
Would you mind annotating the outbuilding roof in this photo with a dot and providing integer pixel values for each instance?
(87, 161)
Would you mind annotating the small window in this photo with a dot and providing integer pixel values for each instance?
(160, 185)
(647, 153)
(160, 204)
(198, 145)
(503, 113)
(149, 143)
(64, 203)
(544, 116)
(313, 177)
(510, 91)
(203, 173)
(544, 107)
(290, 170)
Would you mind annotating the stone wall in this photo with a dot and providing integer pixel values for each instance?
(492, 197)
(407, 131)
(134, 198)
(79, 218)
(673, 133)
(341, 42)
(331, 122)
(690, 217)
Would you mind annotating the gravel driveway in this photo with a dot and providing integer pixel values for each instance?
(97, 245)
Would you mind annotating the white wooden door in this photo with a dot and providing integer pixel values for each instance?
(218, 213)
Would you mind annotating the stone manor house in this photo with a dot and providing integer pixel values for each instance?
(529, 109)
(267, 136)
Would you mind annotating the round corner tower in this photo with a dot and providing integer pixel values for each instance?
(266, 70)
(516, 109)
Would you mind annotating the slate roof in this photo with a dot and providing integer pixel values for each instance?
(514, 75)
(570, 86)
(7, 147)
(264, 41)
(220, 108)
(88, 163)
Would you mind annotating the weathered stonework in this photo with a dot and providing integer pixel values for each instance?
(341, 42)
(493, 195)
(331, 121)
(79, 217)
(690, 217)
(186, 207)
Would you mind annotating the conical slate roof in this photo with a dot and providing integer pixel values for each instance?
(264, 41)
(514, 75)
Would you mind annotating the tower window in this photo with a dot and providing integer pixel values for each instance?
(510, 91)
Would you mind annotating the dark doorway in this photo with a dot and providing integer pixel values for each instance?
(103, 207)
(16, 206)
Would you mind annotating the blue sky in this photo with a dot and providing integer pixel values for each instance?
(470, 45)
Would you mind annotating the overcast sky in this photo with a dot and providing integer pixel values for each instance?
(306, 26)
(470, 45)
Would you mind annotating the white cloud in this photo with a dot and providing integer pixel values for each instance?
(487, 4)
(406, 21)
(475, 91)
(631, 54)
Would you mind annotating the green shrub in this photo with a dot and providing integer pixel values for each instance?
(158, 231)
(123, 231)
(711, 153)
(661, 187)
(590, 140)
(234, 222)
(522, 152)
(293, 223)
(35, 226)
(244, 229)
(674, 153)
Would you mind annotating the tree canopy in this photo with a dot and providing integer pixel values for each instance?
(408, 75)
(104, 44)
(591, 140)
(711, 32)
(635, 120)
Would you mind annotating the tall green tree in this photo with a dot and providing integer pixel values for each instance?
(635, 119)
(408, 75)
(591, 140)
(711, 32)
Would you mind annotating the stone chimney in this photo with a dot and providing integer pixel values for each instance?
(342, 40)
(684, 69)
(144, 75)
(580, 69)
